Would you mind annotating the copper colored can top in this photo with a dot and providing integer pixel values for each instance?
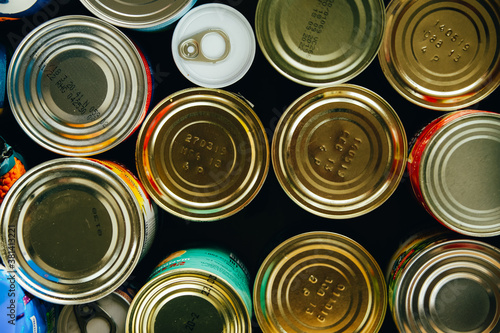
(442, 54)
(320, 282)
(202, 154)
(339, 151)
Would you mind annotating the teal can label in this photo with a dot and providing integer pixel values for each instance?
(217, 263)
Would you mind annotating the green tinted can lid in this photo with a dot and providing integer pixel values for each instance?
(440, 54)
(316, 43)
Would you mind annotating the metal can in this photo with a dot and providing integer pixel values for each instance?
(107, 314)
(320, 282)
(440, 283)
(74, 229)
(78, 86)
(339, 151)
(154, 15)
(213, 45)
(202, 154)
(15, 9)
(444, 54)
(453, 169)
(202, 289)
(317, 43)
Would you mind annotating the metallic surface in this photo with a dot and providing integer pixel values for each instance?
(320, 282)
(317, 43)
(204, 290)
(202, 154)
(111, 311)
(78, 86)
(457, 174)
(339, 151)
(72, 229)
(150, 15)
(441, 54)
(445, 285)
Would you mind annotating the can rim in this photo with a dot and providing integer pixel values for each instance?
(38, 119)
(155, 291)
(155, 178)
(296, 69)
(158, 19)
(396, 65)
(319, 203)
(64, 290)
(459, 219)
(323, 239)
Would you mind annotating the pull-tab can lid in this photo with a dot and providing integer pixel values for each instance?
(213, 45)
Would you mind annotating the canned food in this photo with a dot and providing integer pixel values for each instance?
(105, 315)
(339, 151)
(202, 154)
(198, 290)
(15, 9)
(73, 229)
(213, 45)
(319, 282)
(20, 311)
(151, 15)
(78, 86)
(453, 169)
(442, 54)
(320, 42)
(442, 284)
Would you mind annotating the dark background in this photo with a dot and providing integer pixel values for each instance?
(271, 217)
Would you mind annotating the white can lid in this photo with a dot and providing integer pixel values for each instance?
(213, 45)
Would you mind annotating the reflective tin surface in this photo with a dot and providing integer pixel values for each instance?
(320, 42)
(78, 86)
(201, 290)
(442, 54)
(106, 315)
(74, 229)
(339, 151)
(213, 45)
(150, 15)
(202, 154)
(15, 9)
(319, 282)
(445, 285)
(453, 168)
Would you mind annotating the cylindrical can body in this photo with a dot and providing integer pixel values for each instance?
(198, 289)
(339, 151)
(442, 55)
(213, 45)
(22, 312)
(320, 282)
(73, 229)
(453, 169)
(202, 154)
(99, 316)
(440, 283)
(320, 43)
(154, 15)
(15, 9)
(78, 86)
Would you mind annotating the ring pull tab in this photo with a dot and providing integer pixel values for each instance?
(86, 312)
(211, 45)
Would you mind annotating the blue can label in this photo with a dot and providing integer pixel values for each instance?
(217, 263)
(20, 312)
